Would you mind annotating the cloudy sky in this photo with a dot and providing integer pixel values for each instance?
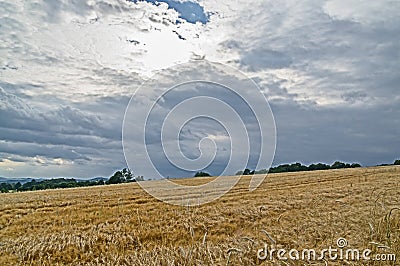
(68, 68)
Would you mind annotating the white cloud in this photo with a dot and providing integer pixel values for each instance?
(60, 46)
(380, 13)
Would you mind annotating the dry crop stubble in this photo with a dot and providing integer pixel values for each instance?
(122, 225)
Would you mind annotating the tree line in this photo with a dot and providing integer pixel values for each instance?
(297, 167)
(126, 176)
(123, 176)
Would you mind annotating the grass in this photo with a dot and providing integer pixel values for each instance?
(122, 225)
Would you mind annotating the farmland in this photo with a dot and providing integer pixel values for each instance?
(123, 225)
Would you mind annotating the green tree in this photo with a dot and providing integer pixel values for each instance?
(318, 166)
(117, 178)
(17, 185)
(248, 172)
(338, 165)
(201, 173)
(397, 162)
(5, 187)
(128, 176)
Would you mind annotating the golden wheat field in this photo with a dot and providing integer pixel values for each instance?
(123, 225)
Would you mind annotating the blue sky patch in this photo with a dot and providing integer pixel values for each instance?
(190, 11)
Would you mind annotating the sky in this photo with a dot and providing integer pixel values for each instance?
(68, 69)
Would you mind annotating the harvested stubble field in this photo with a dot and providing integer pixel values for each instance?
(122, 225)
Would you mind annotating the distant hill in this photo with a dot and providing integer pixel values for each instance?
(99, 178)
(23, 180)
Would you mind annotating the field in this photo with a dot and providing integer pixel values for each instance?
(123, 225)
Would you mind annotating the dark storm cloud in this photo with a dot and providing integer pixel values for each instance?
(30, 150)
(55, 133)
(335, 56)
(368, 135)
(16, 114)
